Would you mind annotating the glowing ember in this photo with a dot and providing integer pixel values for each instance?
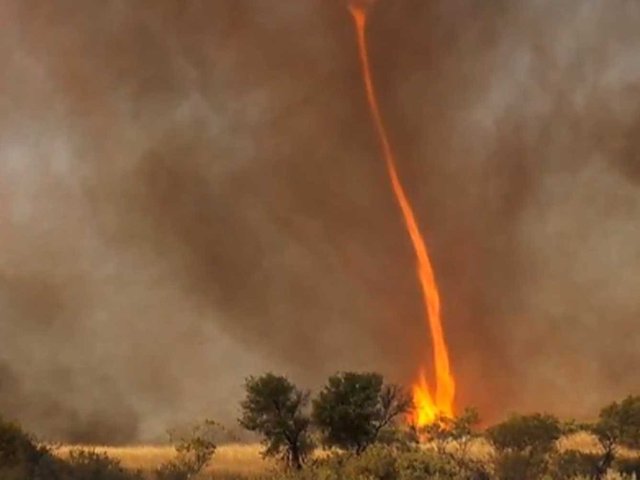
(427, 408)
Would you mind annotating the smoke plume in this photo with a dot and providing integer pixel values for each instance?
(191, 192)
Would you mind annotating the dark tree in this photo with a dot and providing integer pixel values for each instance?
(618, 425)
(354, 408)
(275, 408)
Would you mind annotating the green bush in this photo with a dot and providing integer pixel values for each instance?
(194, 451)
(382, 462)
(21, 458)
(16, 447)
(523, 445)
(91, 465)
(426, 464)
(173, 470)
(378, 462)
(519, 465)
(628, 466)
(458, 431)
(521, 433)
(571, 464)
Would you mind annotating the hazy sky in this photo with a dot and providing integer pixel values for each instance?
(191, 192)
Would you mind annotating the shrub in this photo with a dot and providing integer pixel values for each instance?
(521, 433)
(382, 462)
(618, 425)
(21, 458)
(354, 408)
(523, 444)
(452, 439)
(92, 465)
(379, 463)
(458, 431)
(194, 451)
(173, 470)
(628, 466)
(518, 465)
(426, 464)
(571, 464)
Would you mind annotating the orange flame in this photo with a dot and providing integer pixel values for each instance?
(427, 408)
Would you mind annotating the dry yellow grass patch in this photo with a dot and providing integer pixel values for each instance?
(581, 441)
(481, 449)
(587, 443)
(239, 459)
(245, 460)
(233, 458)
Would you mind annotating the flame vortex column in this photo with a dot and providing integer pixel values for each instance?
(427, 408)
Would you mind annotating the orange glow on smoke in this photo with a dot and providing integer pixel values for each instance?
(428, 404)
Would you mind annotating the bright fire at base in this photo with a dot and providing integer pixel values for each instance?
(427, 406)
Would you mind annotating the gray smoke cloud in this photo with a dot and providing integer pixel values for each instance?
(191, 192)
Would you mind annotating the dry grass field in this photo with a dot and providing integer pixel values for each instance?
(236, 459)
(245, 460)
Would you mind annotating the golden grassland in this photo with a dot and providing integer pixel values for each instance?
(245, 459)
(237, 459)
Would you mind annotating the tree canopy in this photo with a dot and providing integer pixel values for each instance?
(275, 408)
(353, 409)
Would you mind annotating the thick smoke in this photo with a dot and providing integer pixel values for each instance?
(191, 192)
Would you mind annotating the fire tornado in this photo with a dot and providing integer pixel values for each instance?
(428, 404)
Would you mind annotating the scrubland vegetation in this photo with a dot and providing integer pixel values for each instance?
(354, 429)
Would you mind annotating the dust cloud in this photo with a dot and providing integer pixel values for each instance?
(191, 192)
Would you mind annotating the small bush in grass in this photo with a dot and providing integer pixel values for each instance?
(92, 465)
(516, 465)
(523, 445)
(458, 431)
(194, 451)
(522, 433)
(628, 466)
(426, 464)
(378, 462)
(382, 462)
(571, 464)
(16, 446)
(452, 438)
(21, 458)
